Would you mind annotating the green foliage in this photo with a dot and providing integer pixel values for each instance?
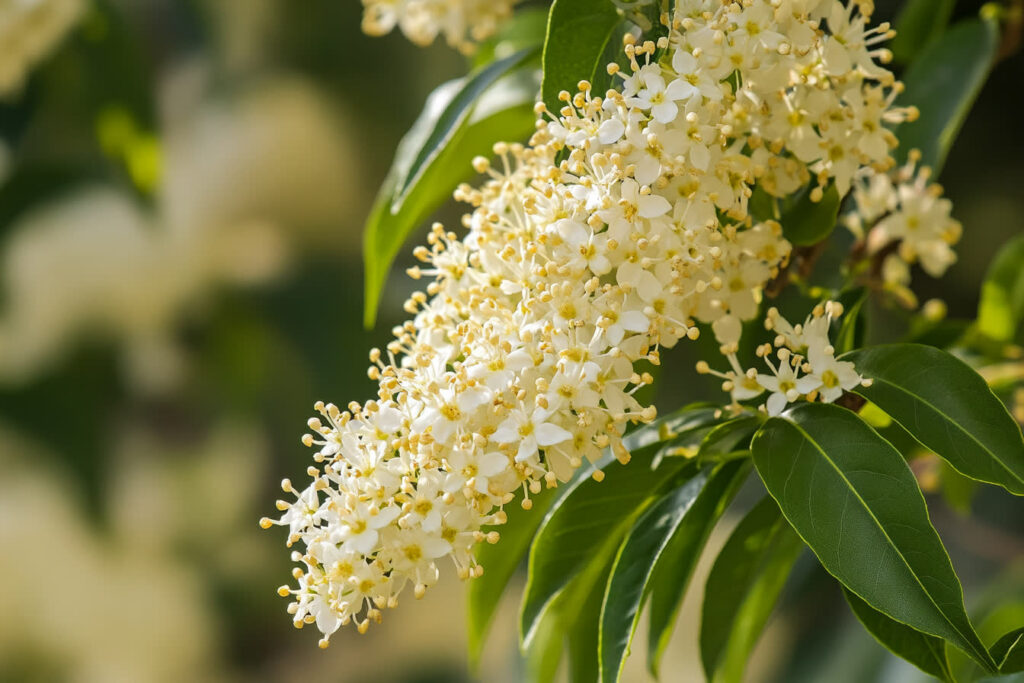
(853, 499)
(742, 589)
(500, 562)
(1009, 652)
(1001, 308)
(587, 517)
(462, 119)
(806, 222)
(948, 408)
(583, 37)
(918, 24)
(637, 558)
(927, 653)
(943, 83)
(674, 567)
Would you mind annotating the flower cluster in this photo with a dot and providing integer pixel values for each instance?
(902, 219)
(464, 23)
(29, 29)
(621, 227)
(805, 369)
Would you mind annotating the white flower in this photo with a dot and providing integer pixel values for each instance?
(531, 430)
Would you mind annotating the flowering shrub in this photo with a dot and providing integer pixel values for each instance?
(668, 196)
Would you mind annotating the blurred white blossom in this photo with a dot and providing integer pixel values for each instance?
(463, 23)
(246, 183)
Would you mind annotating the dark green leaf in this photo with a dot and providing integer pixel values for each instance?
(1001, 308)
(586, 515)
(583, 601)
(853, 499)
(805, 222)
(674, 567)
(927, 653)
(582, 38)
(504, 113)
(500, 562)
(919, 23)
(742, 589)
(947, 407)
(943, 83)
(627, 589)
(1009, 652)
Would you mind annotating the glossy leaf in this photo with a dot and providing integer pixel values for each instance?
(919, 23)
(943, 83)
(853, 499)
(583, 36)
(742, 589)
(627, 588)
(1001, 308)
(674, 567)
(503, 113)
(526, 28)
(927, 653)
(500, 562)
(1009, 652)
(587, 514)
(947, 407)
(453, 117)
(584, 601)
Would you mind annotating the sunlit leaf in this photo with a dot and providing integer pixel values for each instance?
(853, 499)
(947, 407)
(1001, 308)
(504, 112)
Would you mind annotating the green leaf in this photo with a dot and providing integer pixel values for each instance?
(1001, 308)
(919, 23)
(943, 83)
(545, 653)
(586, 515)
(729, 437)
(500, 562)
(1009, 652)
(584, 600)
(453, 118)
(742, 589)
(927, 653)
(853, 499)
(853, 326)
(947, 407)
(583, 36)
(805, 222)
(640, 552)
(674, 568)
(505, 112)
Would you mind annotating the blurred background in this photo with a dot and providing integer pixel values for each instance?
(183, 185)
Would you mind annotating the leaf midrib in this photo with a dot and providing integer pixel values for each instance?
(949, 420)
(985, 656)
